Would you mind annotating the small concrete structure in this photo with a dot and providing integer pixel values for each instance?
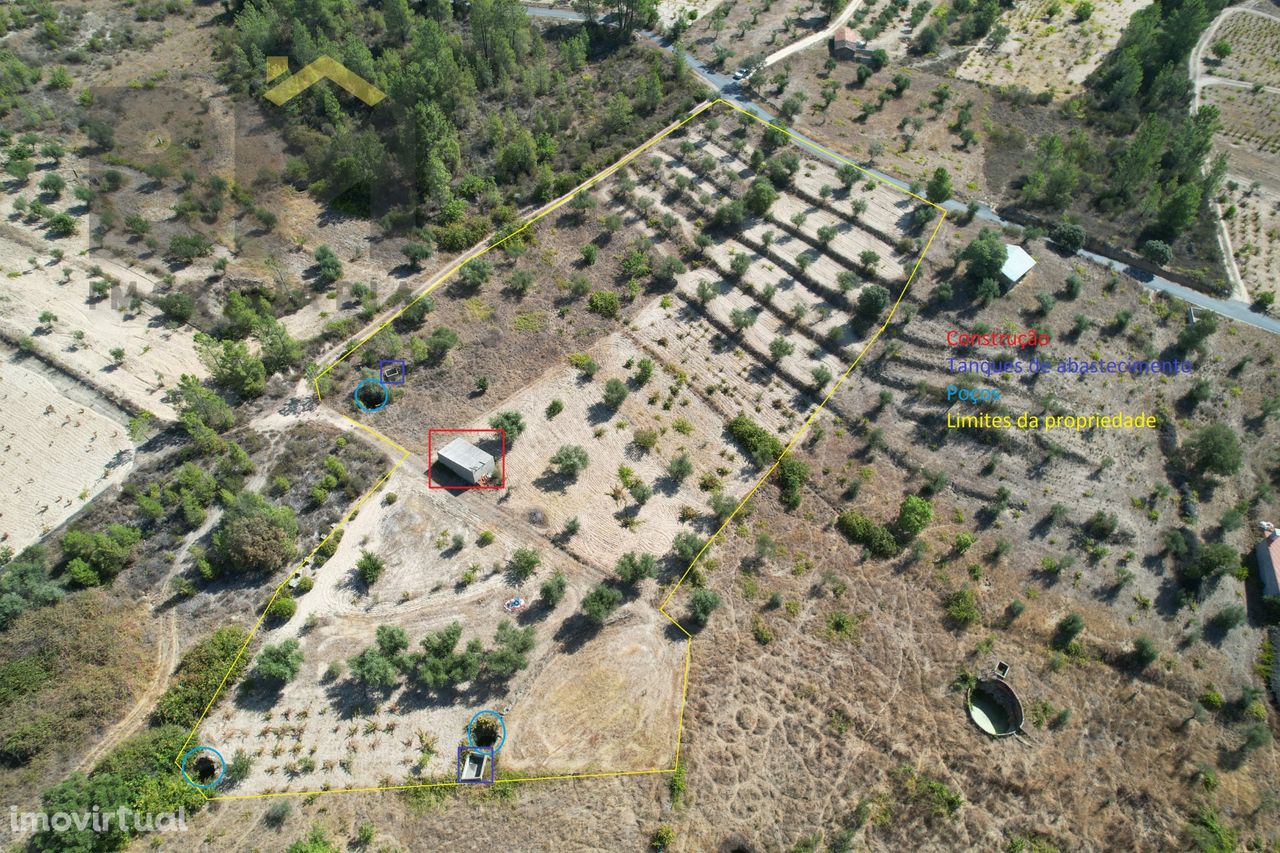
(466, 460)
(1017, 264)
(475, 767)
(1268, 552)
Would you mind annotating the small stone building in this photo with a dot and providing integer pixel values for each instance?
(846, 44)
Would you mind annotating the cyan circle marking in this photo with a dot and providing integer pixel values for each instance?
(222, 766)
(386, 395)
(497, 746)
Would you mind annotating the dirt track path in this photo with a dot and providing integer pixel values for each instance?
(815, 38)
(166, 662)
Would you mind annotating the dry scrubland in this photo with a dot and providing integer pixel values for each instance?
(58, 452)
(717, 342)
(824, 697)
(1049, 49)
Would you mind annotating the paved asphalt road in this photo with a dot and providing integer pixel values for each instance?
(732, 92)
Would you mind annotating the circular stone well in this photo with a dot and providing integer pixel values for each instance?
(995, 708)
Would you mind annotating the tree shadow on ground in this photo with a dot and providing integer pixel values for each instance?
(598, 413)
(1169, 598)
(258, 697)
(674, 633)
(575, 631)
(551, 480)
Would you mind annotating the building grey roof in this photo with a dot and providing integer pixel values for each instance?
(1018, 263)
(463, 454)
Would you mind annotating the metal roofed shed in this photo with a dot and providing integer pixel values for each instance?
(466, 460)
(1017, 264)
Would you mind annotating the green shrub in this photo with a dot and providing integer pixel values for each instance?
(199, 675)
(282, 608)
(605, 303)
(553, 589)
(914, 515)
(369, 567)
(877, 539)
(633, 568)
(1144, 652)
(662, 838)
(1069, 627)
(961, 606)
(524, 562)
(600, 602)
(615, 391)
(701, 604)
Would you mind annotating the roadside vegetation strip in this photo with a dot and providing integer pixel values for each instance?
(767, 449)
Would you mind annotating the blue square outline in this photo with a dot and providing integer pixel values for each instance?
(382, 370)
(493, 764)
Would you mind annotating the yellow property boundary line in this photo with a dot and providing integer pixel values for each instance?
(662, 608)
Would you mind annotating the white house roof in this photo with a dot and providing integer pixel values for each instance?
(462, 455)
(1018, 263)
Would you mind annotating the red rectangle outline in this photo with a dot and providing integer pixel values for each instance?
(503, 435)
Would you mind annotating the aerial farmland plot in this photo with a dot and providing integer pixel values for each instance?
(1248, 118)
(634, 362)
(1049, 46)
(1254, 40)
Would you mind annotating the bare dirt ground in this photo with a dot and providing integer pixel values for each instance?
(58, 452)
(424, 590)
(65, 438)
(1050, 53)
(154, 356)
